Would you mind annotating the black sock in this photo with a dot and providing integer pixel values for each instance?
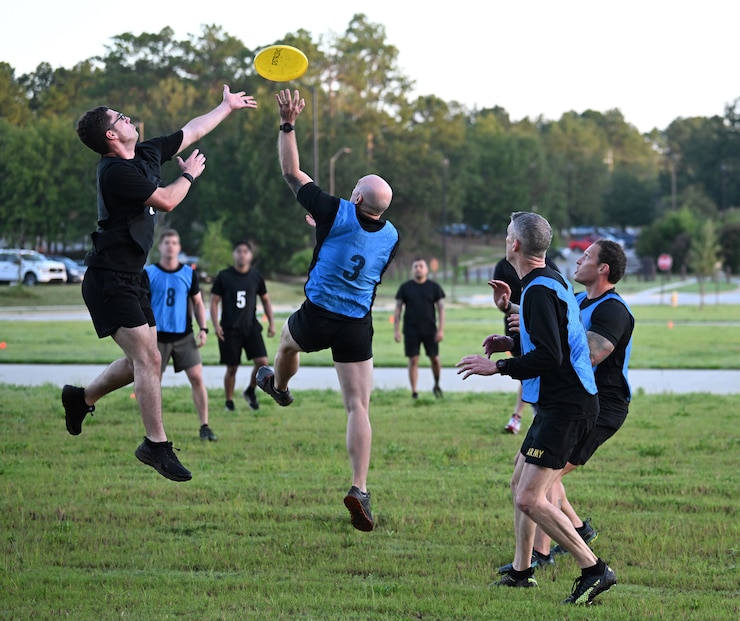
(521, 575)
(595, 570)
(154, 444)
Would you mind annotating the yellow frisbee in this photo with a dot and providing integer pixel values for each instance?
(281, 63)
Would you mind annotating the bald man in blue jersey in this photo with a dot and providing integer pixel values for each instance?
(354, 246)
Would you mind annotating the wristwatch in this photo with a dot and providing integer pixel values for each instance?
(287, 127)
(501, 365)
(204, 330)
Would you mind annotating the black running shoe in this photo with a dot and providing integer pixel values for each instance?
(266, 381)
(251, 398)
(539, 561)
(585, 588)
(587, 532)
(207, 434)
(161, 457)
(229, 405)
(75, 408)
(437, 392)
(509, 581)
(358, 504)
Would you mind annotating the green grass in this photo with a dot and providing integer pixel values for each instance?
(705, 339)
(87, 532)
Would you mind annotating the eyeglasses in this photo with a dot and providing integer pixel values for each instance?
(120, 117)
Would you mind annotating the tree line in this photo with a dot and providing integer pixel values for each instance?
(446, 163)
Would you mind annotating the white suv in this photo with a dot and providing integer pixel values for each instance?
(29, 267)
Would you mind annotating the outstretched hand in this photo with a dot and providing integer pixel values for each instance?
(290, 106)
(238, 100)
(194, 165)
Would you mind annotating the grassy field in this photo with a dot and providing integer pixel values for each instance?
(89, 533)
(665, 337)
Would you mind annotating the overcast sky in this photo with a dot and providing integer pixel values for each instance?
(652, 59)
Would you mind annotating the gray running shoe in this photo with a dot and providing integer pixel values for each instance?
(266, 381)
(358, 504)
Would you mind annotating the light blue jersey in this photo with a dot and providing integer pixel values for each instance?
(170, 293)
(349, 264)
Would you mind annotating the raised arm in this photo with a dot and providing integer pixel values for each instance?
(290, 106)
(198, 127)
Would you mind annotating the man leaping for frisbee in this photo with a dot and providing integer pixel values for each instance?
(354, 246)
(116, 288)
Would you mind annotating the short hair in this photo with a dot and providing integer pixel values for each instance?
(243, 242)
(611, 253)
(168, 233)
(533, 232)
(91, 129)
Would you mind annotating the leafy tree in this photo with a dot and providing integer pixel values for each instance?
(216, 250)
(629, 200)
(729, 241)
(671, 234)
(705, 254)
(13, 103)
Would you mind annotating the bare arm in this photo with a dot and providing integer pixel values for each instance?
(170, 196)
(215, 301)
(290, 107)
(397, 321)
(441, 319)
(199, 312)
(267, 307)
(599, 347)
(198, 127)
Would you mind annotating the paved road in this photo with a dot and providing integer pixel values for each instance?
(649, 380)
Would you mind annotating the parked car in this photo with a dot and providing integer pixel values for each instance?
(75, 272)
(29, 267)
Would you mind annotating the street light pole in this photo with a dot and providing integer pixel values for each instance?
(333, 159)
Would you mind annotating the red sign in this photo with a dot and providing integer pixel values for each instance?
(665, 262)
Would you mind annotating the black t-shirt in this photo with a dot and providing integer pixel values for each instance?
(612, 320)
(419, 316)
(238, 294)
(125, 230)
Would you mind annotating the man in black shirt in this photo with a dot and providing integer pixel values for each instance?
(423, 299)
(505, 271)
(236, 289)
(555, 367)
(116, 288)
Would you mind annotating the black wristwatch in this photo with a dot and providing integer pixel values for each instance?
(287, 127)
(204, 330)
(501, 365)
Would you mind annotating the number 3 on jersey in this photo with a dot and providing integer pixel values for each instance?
(359, 262)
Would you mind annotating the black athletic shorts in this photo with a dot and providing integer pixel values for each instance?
(236, 340)
(184, 353)
(552, 441)
(117, 300)
(314, 329)
(595, 438)
(412, 344)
